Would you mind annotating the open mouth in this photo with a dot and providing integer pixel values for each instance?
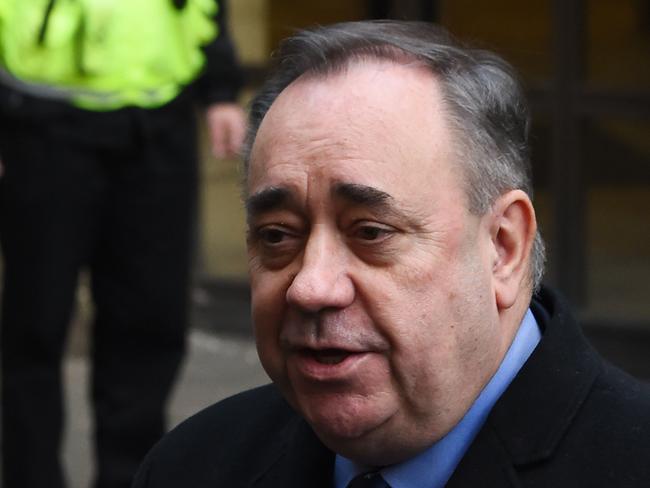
(327, 364)
(328, 356)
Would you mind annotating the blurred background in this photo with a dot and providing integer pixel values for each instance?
(586, 66)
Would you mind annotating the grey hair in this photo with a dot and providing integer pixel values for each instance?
(486, 106)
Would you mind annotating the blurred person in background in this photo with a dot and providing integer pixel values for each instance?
(98, 145)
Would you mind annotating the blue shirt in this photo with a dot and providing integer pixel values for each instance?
(433, 467)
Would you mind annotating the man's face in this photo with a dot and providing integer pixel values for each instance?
(372, 291)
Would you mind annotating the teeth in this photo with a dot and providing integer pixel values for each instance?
(330, 356)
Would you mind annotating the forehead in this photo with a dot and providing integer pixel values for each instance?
(376, 123)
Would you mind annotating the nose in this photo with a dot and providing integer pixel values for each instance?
(323, 279)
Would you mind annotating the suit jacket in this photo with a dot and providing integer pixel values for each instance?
(568, 419)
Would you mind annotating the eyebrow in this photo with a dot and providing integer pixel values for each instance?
(266, 200)
(378, 201)
(363, 195)
(275, 197)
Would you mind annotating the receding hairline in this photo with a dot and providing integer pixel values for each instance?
(320, 74)
(401, 59)
(325, 71)
(338, 60)
(382, 53)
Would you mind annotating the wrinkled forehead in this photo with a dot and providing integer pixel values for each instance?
(373, 110)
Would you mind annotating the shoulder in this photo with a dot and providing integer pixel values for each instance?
(608, 441)
(223, 442)
(618, 409)
(579, 420)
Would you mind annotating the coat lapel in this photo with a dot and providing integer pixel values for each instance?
(486, 463)
(528, 422)
(303, 461)
(543, 400)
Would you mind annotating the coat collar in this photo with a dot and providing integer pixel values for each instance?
(529, 420)
(301, 461)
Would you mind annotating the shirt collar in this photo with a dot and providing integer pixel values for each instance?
(433, 468)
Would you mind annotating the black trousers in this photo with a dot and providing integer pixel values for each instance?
(113, 192)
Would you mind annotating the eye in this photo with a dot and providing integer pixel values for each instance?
(273, 246)
(272, 235)
(372, 232)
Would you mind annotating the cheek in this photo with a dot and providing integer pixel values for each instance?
(267, 307)
(420, 312)
(268, 294)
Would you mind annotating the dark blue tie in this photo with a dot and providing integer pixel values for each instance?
(368, 480)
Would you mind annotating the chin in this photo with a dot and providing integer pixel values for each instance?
(343, 420)
(338, 424)
(374, 448)
(363, 429)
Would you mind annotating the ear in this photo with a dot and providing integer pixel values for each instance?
(512, 229)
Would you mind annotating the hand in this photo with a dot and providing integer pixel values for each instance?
(227, 129)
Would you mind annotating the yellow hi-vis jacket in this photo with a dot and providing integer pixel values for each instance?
(104, 54)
